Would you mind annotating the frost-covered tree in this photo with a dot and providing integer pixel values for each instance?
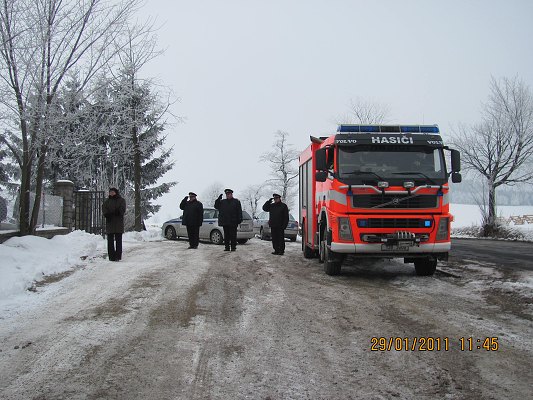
(41, 42)
(365, 112)
(500, 147)
(283, 168)
(210, 193)
(251, 199)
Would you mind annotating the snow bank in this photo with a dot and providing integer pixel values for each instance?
(27, 259)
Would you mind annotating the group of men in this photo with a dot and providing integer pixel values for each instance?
(230, 216)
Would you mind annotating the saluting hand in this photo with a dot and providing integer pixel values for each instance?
(186, 197)
(220, 197)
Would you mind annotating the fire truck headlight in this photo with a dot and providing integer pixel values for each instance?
(383, 184)
(345, 230)
(442, 231)
(408, 184)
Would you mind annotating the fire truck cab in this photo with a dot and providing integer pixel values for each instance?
(377, 191)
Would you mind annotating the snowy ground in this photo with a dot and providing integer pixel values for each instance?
(29, 259)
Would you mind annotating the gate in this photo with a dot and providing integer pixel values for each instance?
(88, 214)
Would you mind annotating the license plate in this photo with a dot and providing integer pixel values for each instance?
(395, 247)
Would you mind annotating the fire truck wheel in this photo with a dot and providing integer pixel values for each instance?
(332, 268)
(332, 262)
(425, 266)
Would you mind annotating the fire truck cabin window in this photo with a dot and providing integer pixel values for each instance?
(360, 163)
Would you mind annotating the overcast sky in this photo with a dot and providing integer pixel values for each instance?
(245, 69)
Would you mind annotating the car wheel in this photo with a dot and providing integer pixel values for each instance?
(170, 233)
(292, 239)
(216, 237)
(242, 241)
(263, 235)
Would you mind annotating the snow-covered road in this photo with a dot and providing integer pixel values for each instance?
(172, 323)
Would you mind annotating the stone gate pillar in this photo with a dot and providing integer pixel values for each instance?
(65, 189)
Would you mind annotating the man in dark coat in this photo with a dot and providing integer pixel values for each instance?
(193, 217)
(229, 217)
(114, 208)
(278, 221)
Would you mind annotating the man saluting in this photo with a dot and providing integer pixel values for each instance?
(193, 217)
(278, 221)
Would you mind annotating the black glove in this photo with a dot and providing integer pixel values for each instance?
(185, 198)
(271, 199)
(220, 197)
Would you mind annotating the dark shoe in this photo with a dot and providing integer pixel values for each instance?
(190, 247)
(280, 253)
(275, 252)
(226, 249)
(234, 249)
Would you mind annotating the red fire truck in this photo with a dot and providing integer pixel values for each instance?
(377, 191)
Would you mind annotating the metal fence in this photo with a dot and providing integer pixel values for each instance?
(50, 210)
(88, 214)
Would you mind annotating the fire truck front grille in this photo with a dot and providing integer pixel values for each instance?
(395, 223)
(388, 201)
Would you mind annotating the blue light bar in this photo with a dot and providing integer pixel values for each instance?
(388, 128)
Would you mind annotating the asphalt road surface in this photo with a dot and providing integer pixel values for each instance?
(505, 254)
(171, 323)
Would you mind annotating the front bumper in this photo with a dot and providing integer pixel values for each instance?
(376, 248)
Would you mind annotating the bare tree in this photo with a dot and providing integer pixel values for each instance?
(283, 167)
(500, 147)
(210, 194)
(41, 42)
(365, 112)
(252, 196)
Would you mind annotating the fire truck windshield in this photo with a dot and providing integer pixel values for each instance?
(368, 164)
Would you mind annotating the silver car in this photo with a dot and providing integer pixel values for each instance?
(210, 230)
(263, 230)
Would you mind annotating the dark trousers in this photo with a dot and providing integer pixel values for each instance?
(114, 246)
(193, 232)
(278, 239)
(230, 236)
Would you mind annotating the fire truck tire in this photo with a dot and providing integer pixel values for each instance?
(332, 263)
(425, 266)
(308, 252)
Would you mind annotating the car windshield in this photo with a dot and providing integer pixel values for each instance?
(245, 215)
(369, 164)
(291, 218)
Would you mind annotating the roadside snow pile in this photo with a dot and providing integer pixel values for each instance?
(29, 258)
(153, 234)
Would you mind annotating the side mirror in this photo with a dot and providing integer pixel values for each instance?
(456, 177)
(321, 176)
(321, 160)
(456, 160)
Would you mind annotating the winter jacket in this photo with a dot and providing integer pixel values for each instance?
(279, 214)
(229, 211)
(114, 209)
(193, 212)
